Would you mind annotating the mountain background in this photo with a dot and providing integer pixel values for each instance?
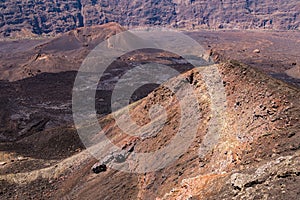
(37, 17)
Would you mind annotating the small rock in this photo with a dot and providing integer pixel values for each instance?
(98, 168)
(274, 155)
(256, 51)
(2, 163)
(291, 135)
(21, 158)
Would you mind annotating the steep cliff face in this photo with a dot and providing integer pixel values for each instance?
(56, 16)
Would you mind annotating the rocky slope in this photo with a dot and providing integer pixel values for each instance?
(257, 153)
(19, 18)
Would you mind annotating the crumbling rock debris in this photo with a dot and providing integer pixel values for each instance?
(120, 158)
(280, 168)
(117, 157)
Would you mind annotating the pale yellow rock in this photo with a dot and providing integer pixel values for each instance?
(256, 51)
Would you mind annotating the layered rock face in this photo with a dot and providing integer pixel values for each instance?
(50, 17)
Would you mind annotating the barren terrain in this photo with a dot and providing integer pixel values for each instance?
(255, 157)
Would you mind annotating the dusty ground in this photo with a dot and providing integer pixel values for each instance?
(278, 51)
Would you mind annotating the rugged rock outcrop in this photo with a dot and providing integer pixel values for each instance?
(50, 17)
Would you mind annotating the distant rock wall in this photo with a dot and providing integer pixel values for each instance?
(56, 16)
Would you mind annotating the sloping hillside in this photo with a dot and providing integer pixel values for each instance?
(255, 156)
(27, 58)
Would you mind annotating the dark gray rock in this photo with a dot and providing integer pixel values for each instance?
(50, 17)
